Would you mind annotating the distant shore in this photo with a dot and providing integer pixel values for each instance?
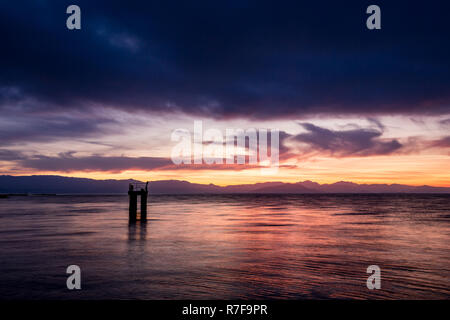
(52, 185)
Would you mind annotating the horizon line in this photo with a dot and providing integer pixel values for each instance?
(230, 185)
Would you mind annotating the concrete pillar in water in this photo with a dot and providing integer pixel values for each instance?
(133, 205)
(133, 194)
(144, 195)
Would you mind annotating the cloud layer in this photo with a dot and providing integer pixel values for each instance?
(355, 142)
(251, 59)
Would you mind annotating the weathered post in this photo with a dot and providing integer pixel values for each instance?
(144, 195)
(133, 193)
(133, 204)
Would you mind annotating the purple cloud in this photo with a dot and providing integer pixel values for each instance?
(442, 143)
(356, 142)
(227, 59)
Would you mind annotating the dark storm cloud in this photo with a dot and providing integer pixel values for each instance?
(10, 155)
(67, 162)
(43, 128)
(442, 143)
(254, 59)
(445, 123)
(355, 142)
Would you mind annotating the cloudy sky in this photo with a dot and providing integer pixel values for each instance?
(369, 106)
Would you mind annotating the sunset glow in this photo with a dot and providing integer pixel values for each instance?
(344, 113)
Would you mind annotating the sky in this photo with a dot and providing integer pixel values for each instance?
(352, 104)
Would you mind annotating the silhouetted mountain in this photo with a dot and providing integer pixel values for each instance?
(58, 184)
(181, 187)
(277, 187)
(64, 185)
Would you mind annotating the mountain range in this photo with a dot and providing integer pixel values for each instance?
(39, 184)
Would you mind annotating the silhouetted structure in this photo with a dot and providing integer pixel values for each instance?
(137, 189)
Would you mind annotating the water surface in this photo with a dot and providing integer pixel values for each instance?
(226, 247)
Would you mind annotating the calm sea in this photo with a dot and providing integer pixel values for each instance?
(226, 247)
